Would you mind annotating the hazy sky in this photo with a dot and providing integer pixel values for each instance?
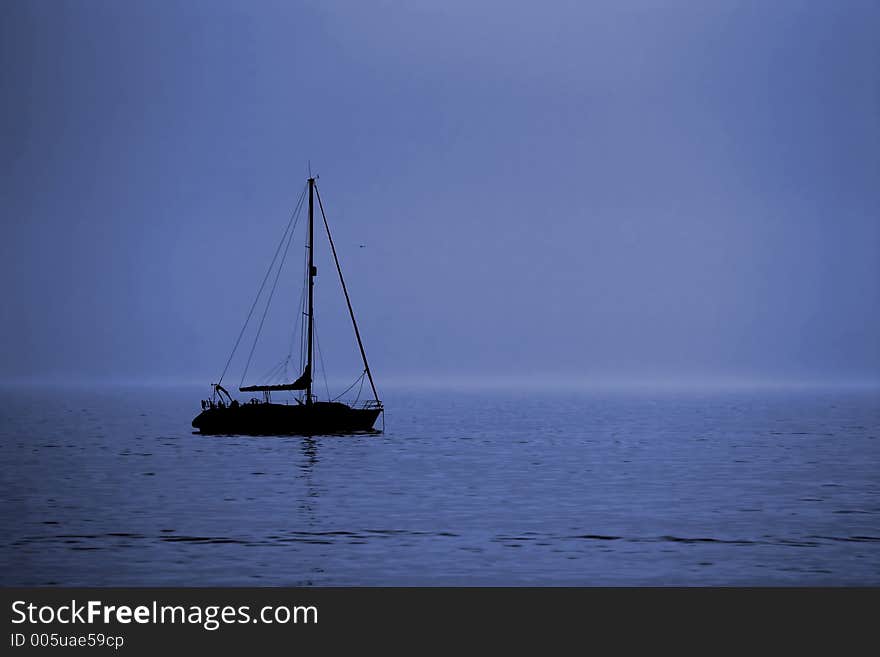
(594, 190)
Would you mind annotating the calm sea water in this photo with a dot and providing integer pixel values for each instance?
(111, 488)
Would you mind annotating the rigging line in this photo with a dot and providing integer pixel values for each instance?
(359, 379)
(270, 373)
(357, 333)
(303, 314)
(265, 311)
(273, 375)
(277, 376)
(299, 310)
(320, 357)
(268, 303)
(265, 278)
(360, 388)
(302, 343)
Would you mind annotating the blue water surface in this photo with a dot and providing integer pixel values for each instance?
(110, 487)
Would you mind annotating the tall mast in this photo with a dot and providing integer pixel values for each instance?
(312, 272)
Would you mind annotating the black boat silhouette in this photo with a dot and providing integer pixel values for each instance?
(221, 414)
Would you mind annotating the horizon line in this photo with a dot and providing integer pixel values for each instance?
(494, 381)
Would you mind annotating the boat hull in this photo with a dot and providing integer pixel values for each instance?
(320, 418)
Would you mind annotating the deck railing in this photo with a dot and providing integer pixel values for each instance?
(365, 404)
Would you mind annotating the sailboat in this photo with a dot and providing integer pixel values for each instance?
(304, 414)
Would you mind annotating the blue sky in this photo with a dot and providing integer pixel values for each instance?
(554, 191)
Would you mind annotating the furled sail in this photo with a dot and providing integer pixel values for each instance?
(302, 383)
